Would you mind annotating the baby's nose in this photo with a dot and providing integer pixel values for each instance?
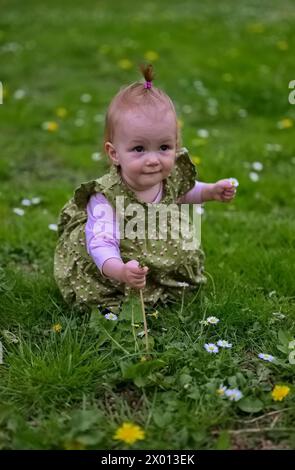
(152, 159)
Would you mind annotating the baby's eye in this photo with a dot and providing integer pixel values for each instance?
(138, 147)
(167, 147)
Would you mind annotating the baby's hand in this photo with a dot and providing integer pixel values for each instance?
(223, 190)
(133, 275)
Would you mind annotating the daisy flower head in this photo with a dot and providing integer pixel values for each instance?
(253, 176)
(280, 392)
(26, 202)
(36, 200)
(257, 166)
(211, 348)
(266, 357)
(233, 394)
(224, 344)
(111, 316)
(234, 182)
(212, 320)
(129, 433)
(18, 211)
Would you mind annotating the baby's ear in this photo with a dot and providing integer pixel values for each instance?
(112, 153)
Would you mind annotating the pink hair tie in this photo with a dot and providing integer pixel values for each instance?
(148, 85)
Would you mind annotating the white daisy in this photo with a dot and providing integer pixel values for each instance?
(18, 211)
(26, 202)
(35, 200)
(203, 133)
(19, 94)
(79, 122)
(52, 227)
(86, 98)
(224, 344)
(211, 348)
(111, 316)
(253, 176)
(234, 182)
(96, 156)
(212, 320)
(266, 357)
(233, 394)
(257, 166)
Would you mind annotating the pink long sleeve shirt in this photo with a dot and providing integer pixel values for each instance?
(102, 228)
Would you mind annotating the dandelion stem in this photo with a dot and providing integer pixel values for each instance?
(144, 322)
(136, 348)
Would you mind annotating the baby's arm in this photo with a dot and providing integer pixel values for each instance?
(222, 190)
(102, 242)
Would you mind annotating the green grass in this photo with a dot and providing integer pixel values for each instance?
(73, 389)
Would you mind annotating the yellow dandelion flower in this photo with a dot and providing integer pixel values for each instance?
(50, 126)
(282, 45)
(151, 56)
(125, 64)
(129, 433)
(285, 123)
(155, 314)
(255, 28)
(61, 112)
(280, 392)
(57, 328)
(196, 160)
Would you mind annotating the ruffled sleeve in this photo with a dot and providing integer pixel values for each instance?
(184, 174)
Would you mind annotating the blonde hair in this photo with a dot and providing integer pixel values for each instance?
(137, 95)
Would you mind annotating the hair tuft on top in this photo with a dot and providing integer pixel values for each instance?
(147, 71)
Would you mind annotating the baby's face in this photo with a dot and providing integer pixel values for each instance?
(145, 147)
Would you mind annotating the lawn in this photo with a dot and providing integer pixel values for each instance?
(69, 381)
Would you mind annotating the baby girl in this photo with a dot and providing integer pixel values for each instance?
(94, 265)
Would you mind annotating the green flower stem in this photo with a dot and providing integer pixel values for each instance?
(144, 322)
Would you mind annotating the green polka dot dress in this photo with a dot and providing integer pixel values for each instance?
(171, 267)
